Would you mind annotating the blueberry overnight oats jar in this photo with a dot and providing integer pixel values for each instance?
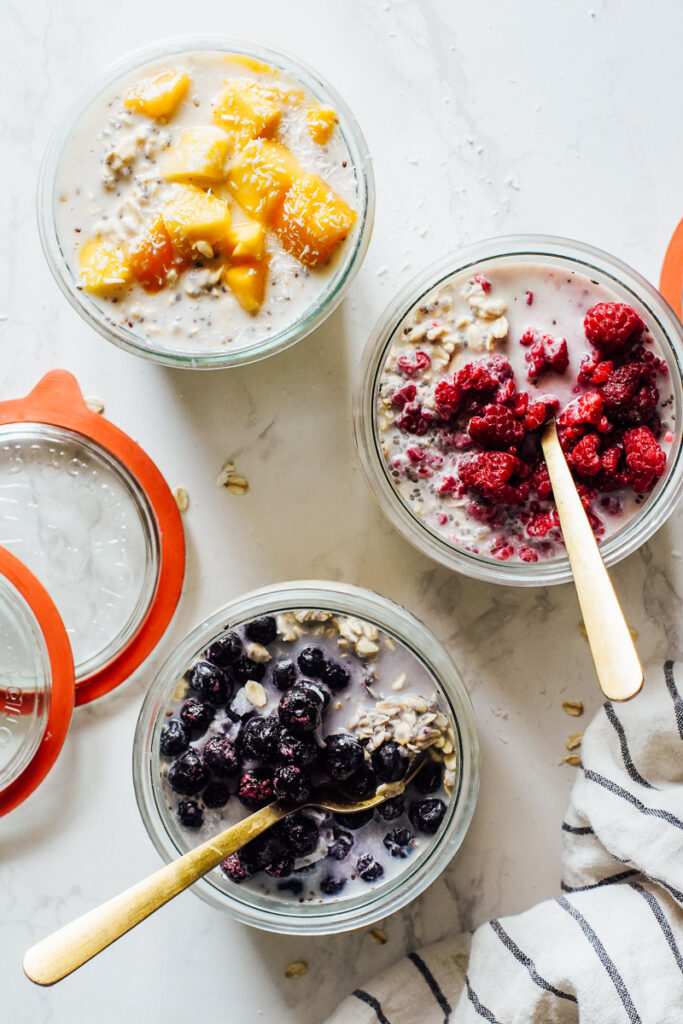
(468, 363)
(207, 204)
(288, 687)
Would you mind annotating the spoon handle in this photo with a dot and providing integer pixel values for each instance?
(617, 665)
(70, 947)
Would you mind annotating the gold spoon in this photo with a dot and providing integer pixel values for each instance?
(70, 947)
(616, 660)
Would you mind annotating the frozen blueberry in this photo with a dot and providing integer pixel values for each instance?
(256, 788)
(354, 821)
(300, 710)
(220, 757)
(312, 662)
(390, 762)
(298, 750)
(196, 717)
(259, 738)
(342, 756)
(392, 808)
(429, 777)
(341, 844)
(211, 683)
(299, 834)
(291, 783)
(187, 775)
(190, 814)
(243, 669)
(368, 868)
(174, 738)
(261, 851)
(336, 676)
(216, 794)
(225, 650)
(361, 785)
(330, 885)
(293, 885)
(262, 630)
(426, 815)
(284, 674)
(282, 866)
(399, 842)
(319, 688)
(235, 868)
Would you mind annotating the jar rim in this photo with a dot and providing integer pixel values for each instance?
(317, 312)
(398, 622)
(586, 258)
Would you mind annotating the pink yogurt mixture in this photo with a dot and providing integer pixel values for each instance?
(474, 370)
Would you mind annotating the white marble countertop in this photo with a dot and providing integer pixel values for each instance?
(483, 119)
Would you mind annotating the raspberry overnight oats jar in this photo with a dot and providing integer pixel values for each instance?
(465, 366)
(286, 687)
(207, 203)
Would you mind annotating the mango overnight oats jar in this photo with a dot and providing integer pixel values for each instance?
(208, 204)
(468, 363)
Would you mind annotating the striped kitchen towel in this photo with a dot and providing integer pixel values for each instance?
(609, 949)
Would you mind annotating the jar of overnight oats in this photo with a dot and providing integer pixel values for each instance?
(288, 687)
(207, 203)
(465, 366)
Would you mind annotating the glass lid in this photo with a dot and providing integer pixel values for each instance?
(89, 514)
(36, 682)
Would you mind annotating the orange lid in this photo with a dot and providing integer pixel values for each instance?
(671, 278)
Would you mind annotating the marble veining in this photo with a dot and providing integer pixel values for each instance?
(480, 123)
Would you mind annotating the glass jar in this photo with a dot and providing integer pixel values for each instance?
(322, 305)
(274, 913)
(629, 287)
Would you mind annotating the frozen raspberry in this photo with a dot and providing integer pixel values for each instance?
(613, 476)
(587, 410)
(641, 354)
(449, 485)
(489, 474)
(539, 411)
(542, 523)
(540, 481)
(475, 377)
(448, 396)
(644, 458)
(413, 420)
(497, 428)
(483, 282)
(411, 367)
(594, 369)
(527, 554)
(584, 458)
(545, 353)
(629, 395)
(612, 326)
(404, 395)
(529, 298)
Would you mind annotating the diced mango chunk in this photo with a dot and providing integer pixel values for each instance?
(246, 241)
(250, 62)
(153, 257)
(260, 176)
(247, 282)
(312, 220)
(158, 95)
(247, 111)
(199, 156)
(104, 267)
(320, 122)
(194, 219)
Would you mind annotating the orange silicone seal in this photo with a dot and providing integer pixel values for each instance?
(671, 278)
(62, 683)
(57, 401)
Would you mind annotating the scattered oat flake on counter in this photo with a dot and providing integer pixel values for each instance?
(378, 936)
(574, 740)
(228, 478)
(297, 969)
(573, 707)
(182, 499)
(573, 759)
(95, 404)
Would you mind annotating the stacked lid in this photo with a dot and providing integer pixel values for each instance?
(92, 560)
